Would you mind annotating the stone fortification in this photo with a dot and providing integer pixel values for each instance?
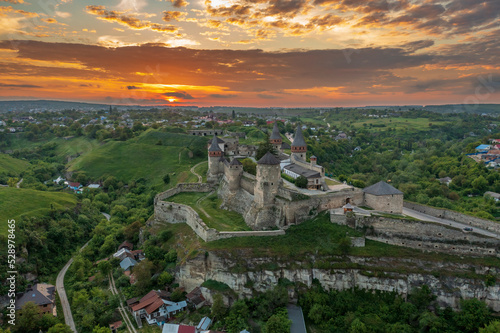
(421, 235)
(454, 216)
(171, 212)
(449, 289)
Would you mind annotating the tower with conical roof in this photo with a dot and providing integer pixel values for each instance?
(299, 146)
(214, 156)
(275, 137)
(268, 180)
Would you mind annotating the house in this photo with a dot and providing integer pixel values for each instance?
(494, 195)
(115, 326)
(74, 186)
(204, 324)
(127, 264)
(126, 245)
(42, 294)
(123, 253)
(445, 180)
(155, 308)
(175, 328)
(196, 298)
(483, 148)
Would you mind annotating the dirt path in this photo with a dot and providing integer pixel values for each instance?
(199, 206)
(122, 310)
(19, 183)
(200, 179)
(68, 316)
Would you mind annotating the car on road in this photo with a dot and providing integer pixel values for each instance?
(467, 229)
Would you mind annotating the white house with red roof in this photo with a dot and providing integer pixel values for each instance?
(155, 308)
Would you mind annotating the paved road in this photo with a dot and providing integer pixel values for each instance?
(68, 316)
(19, 183)
(425, 217)
(297, 318)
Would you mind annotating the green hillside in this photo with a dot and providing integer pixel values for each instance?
(143, 157)
(15, 202)
(10, 165)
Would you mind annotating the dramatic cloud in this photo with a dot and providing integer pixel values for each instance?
(133, 87)
(13, 1)
(173, 15)
(4, 85)
(178, 94)
(222, 96)
(128, 20)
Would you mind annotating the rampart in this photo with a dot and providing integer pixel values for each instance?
(421, 235)
(171, 212)
(454, 216)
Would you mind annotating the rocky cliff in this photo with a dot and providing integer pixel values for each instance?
(450, 282)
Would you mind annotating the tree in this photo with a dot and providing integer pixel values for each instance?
(142, 273)
(218, 307)
(474, 314)
(166, 179)
(249, 166)
(357, 326)
(301, 182)
(264, 147)
(278, 323)
(165, 278)
(177, 295)
(493, 327)
(104, 267)
(12, 182)
(100, 329)
(29, 319)
(60, 328)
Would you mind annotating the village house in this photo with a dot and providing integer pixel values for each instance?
(41, 294)
(156, 308)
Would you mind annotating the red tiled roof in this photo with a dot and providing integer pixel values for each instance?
(73, 184)
(154, 306)
(186, 329)
(145, 301)
(126, 244)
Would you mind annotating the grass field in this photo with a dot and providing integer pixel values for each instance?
(407, 125)
(10, 165)
(143, 158)
(202, 171)
(208, 209)
(15, 202)
(331, 182)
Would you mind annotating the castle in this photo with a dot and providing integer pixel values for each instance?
(266, 201)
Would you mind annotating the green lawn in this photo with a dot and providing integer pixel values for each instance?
(222, 220)
(15, 202)
(128, 161)
(10, 165)
(202, 171)
(331, 182)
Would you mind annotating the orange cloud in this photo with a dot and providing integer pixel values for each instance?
(173, 15)
(128, 20)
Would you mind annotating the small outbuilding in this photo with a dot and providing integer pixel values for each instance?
(384, 197)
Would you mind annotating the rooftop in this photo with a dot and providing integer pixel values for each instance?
(302, 171)
(298, 139)
(269, 159)
(381, 188)
(214, 146)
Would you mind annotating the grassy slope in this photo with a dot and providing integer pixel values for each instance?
(12, 165)
(15, 202)
(219, 219)
(142, 158)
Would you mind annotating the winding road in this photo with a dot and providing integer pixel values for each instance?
(68, 316)
(429, 218)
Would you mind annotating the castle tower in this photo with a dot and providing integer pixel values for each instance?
(233, 175)
(299, 146)
(275, 137)
(214, 156)
(314, 160)
(268, 180)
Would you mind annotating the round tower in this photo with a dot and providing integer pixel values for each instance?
(214, 156)
(275, 137)
(313, 160)
(299, 146)
(268, 180)
(233, 175)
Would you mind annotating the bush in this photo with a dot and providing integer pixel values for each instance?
(301, 182)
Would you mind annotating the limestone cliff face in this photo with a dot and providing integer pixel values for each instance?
(244, 274)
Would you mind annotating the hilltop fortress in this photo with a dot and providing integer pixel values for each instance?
(266, 201)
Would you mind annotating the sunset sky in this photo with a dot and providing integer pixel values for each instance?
(288, 53)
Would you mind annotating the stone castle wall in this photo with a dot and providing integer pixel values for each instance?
(171, 212)
(421, 235)
(454, 216)
(385, 203)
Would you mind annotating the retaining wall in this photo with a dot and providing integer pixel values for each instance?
(420, 235)
(454, 216)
